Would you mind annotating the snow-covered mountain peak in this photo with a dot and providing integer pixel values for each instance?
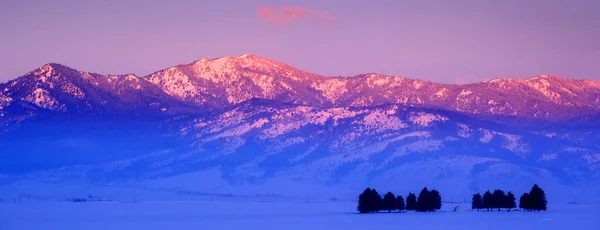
(220, 82)
(53, 73)
(237, 64)
(543, 76)
(548, 77)
(46, 70)
(49, 70)
(247, 56)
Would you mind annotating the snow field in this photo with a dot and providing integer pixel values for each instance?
(181, 215)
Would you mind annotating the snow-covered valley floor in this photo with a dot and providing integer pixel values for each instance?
(180, 215)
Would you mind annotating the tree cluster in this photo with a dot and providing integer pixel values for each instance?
(496, 200)
(428, 201)
(499, 200)
(535, 200)
(79, 200)
(371, 202)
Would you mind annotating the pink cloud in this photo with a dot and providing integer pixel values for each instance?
(288, 15)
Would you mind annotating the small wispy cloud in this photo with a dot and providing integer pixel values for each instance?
(288, 15)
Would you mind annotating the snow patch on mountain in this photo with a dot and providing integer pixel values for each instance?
(425, 119)
(4, 100)
(42, 98)
(332, 88)
(230, 146)
(542, 85)
(362, 101)
(367, 151)
(548, 157)
(374, 80)
(591, 158)
(442, 93)
(513, 143)
(266, 84)
(510, 141)
(45, 72)
(220, 63)
(465, 93)
(73, 90)
(380, 121)
(464, 131)
(175, 83)
(281, 128)
(292, 119)
(321, 170)
(280, 147)
(487, 136)
(571, 150)
(417, 84)
(239, 130)
(304, 154)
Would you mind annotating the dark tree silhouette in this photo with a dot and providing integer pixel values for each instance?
(509, 202)
(375, 201)
(363, 201)
(538, 200)
(476, 202)
(411, 202)
(423, 201)
(389, 202)
(429, 201)
(498, 199)
(525, 202)
(400, 203)
(535, 200)
(436, 200)
(487, 200)
(369, 201)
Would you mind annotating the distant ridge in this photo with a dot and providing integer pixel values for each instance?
(219, 82)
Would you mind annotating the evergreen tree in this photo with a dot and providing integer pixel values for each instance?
(375, 201)
(537, 197)
(389, 202)
(424, 201)
(487, 200)
(363, 201)
(400, 205)
(498, 199)
(436, 200)
(411, 202)
(509, 202)
(476, 202)
(524, 202)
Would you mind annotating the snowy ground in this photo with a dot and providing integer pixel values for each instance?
(44, 206)
(180, 215)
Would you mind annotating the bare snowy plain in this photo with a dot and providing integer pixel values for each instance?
(214, 212)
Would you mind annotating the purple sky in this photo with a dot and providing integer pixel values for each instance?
(438, 40)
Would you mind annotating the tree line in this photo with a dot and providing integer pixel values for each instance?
(535, 200)
(369, 201)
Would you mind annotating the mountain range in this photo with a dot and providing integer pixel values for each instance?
(257, 121)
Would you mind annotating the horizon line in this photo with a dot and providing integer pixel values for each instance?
(250, 55)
